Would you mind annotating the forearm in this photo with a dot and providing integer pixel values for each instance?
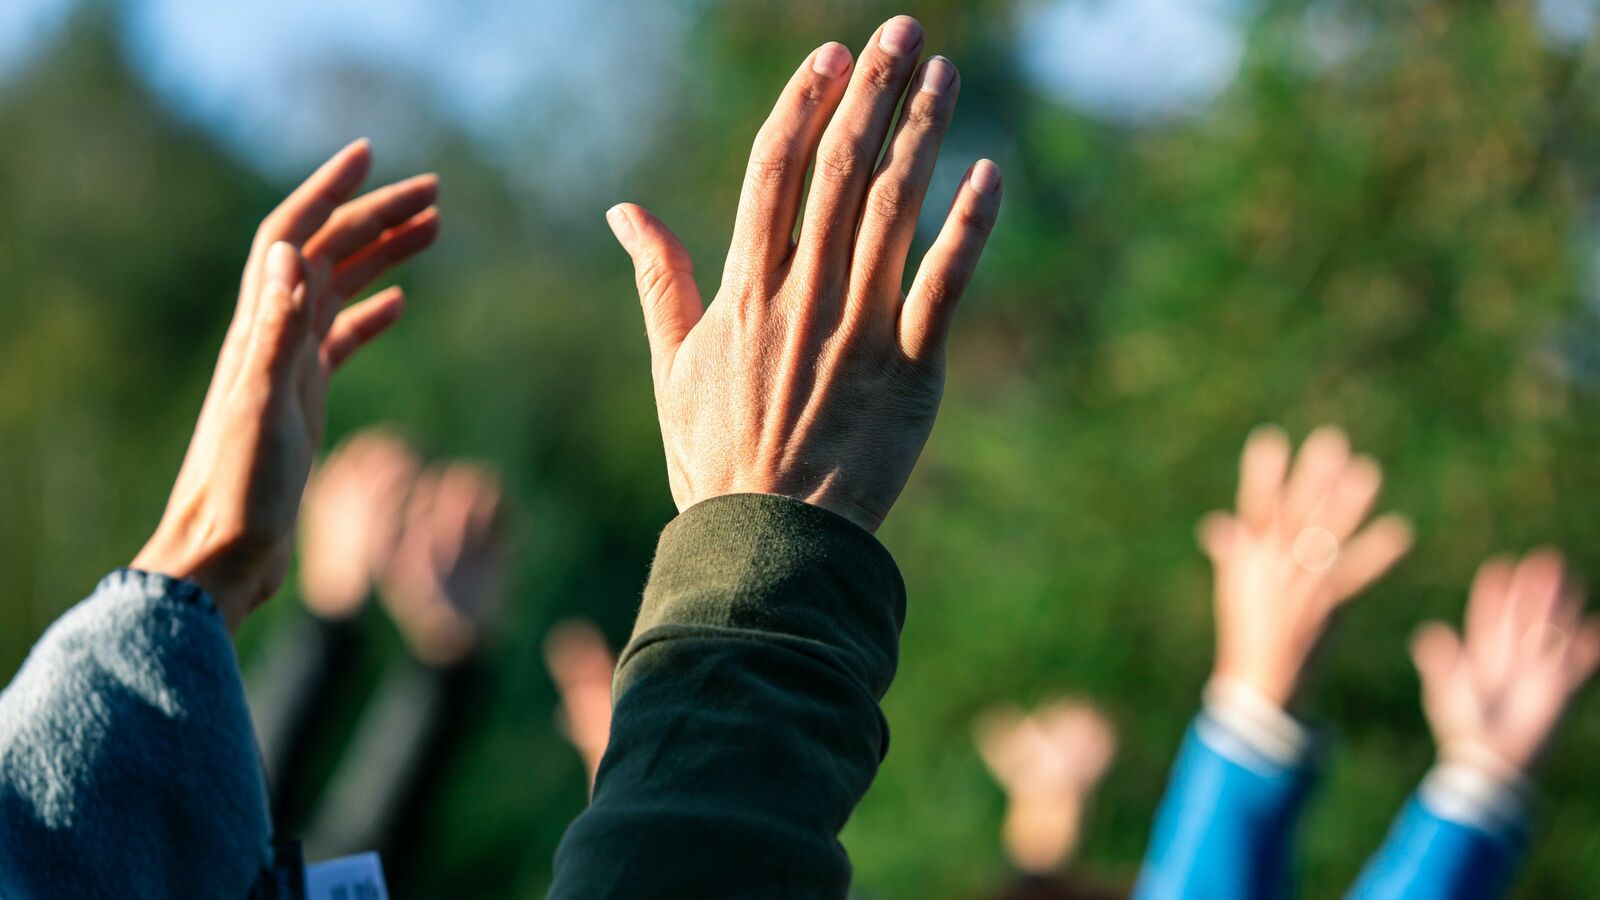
(288, 687)
(388, 764)
(747, 724)
(1225, 827)
(1461, 835)
(127, 764)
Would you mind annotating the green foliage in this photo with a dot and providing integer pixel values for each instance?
(1384, 241)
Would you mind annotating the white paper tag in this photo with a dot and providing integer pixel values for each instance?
(355, 877)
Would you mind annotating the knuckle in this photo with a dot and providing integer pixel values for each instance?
(890, 198)
(655, 276)
(879, 75)
(925, 116)
(811, 95)
(771, 164)
(945, 284)
(975, 218)
(840, 163)
(270, 227)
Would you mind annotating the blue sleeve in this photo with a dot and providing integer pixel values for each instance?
(1224, 828)
(127, 764)
(1427, 856)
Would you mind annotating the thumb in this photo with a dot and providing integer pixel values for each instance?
(1215, 534)
(664, 276)
(1436, 651)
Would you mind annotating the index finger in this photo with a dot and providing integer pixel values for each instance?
(1262, 468)
(305, 210)
(763, 230)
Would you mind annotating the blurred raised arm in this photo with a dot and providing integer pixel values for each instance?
(1292, 553)
(127, 763)
(1493, 698)
(792, 410)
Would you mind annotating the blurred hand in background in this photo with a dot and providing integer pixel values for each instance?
(1292, 553)
(442, 583)
(812, 375)
(1494, 696)
(230, 520)
(1048, 762)
(582, 664)
(350, 520)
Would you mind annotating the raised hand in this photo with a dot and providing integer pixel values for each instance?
(230, 520)
(350, 521)
(1063, 748)
(1049, 762)
(1496, 698)
(582, 666)
(812, 375)
(442, 581)
(1292, 554)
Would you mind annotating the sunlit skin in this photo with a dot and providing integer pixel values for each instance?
(1495, 695)
(811, 374)
(229, 524)
(1293, 552)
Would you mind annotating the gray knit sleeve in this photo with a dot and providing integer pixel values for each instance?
(128, 767)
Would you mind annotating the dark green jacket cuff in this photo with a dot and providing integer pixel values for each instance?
(746, 724)
(787, 570)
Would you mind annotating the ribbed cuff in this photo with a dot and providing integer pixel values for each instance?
(1251, 730)
(778, 566)
(1471, 785)
(155, 585)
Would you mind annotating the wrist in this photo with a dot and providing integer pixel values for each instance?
(1496, 763)
(823, 498)
(1256, 721)
(236, 582)
(1040, 833)
(1475, 786)
(1275, 689)
(845, 507)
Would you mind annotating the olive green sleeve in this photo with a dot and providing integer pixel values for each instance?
(747, 724)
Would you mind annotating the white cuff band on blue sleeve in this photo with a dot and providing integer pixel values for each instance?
(1255, 724)
(1473, 786)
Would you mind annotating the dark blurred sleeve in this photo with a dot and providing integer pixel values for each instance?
(289, 686)
(127, 763)
(747, 724)
(391, 762)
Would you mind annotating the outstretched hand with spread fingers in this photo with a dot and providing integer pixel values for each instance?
(1496, 695)
(442, 583)
(350, 520)
(1292, 554)
(812, 375)
(229, 523)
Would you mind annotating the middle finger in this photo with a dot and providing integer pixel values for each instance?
(850, 147)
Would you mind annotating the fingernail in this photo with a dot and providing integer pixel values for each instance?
(622, 227)
(937, 75)
(282, 260)
(985, 178)
(900, 36)
(831, 60)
